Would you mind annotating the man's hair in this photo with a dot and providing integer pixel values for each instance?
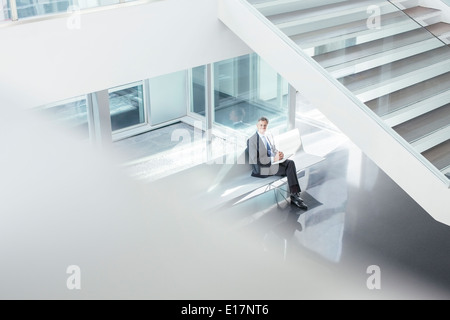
(263, 119)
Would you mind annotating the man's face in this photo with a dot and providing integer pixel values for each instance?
(262, 127)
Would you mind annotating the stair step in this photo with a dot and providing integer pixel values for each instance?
(405, 4)
(423, 14)
(402, 81)
(417, 128)
(341, 56)
(327, 16)
(351, 34)
(419, 11)
(374, 83)
(274, 7)
(383, 58)
(439, 29)
(417, 109)
(323, 12)
(439, 156)
(432, 140)
(389, 104)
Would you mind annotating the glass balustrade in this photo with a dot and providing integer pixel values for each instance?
(392, 58)
(245, 89)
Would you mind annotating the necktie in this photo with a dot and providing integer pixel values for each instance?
(269, 150)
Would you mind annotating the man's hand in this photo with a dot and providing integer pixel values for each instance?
(279, 156)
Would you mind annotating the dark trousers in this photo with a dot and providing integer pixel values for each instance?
(287, 168)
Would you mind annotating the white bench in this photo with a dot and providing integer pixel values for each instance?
(233, 183)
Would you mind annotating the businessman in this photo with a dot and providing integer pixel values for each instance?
(262, 155)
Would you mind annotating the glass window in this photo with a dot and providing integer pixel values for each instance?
(31, 8)
(126, 105)
(70, 113)
(168, 98)
(272, 89)
(198, 90)
(231, 91)
(246, 88)
(5, 12)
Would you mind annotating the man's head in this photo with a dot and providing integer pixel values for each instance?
(262, 124)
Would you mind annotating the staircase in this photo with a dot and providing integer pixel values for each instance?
(430, 18)
(395, 65)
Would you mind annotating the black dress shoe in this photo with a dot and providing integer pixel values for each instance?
(295, 199)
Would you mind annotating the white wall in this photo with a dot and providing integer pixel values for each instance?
(46, 61)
